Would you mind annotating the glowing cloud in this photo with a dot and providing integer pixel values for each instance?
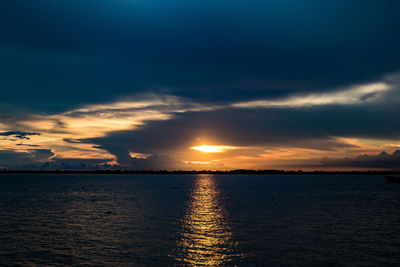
(64, 132)
(353, 95)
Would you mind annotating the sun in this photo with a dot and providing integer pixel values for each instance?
(212, 149)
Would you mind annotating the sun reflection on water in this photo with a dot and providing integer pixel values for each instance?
(206, 238)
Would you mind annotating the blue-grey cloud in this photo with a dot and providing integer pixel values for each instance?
(44, 159)
(75, 164)
(18, 134)
(382, 160)
(27, 145)
(155, 162)
(32, 158)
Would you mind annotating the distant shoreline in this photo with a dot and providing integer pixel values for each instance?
(231, 172)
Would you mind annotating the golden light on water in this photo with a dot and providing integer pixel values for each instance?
(205, 236)
(212, 149)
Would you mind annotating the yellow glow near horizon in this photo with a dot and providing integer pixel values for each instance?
(212, 149)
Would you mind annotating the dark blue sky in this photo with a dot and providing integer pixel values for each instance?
(57, 56)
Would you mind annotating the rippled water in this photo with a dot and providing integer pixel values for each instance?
(162, 220)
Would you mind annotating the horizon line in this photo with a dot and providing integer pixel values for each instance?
(236, 171)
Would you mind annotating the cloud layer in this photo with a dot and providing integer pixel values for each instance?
(128, 132)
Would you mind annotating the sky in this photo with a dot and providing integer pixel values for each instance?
(193, 85)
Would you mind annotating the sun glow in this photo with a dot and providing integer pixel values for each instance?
(212, 149)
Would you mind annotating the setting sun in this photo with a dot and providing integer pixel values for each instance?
(212, 149)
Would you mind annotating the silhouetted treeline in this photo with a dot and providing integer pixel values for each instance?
(239, 171)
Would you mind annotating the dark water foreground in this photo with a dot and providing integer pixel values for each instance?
(162, 220)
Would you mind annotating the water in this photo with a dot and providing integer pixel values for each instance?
(162, 220)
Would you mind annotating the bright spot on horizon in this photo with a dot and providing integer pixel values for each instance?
(212, 149)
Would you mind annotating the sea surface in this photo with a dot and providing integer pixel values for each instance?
(195, 220)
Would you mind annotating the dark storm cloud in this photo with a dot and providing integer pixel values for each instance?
(59, 54)
(383, 160)
(45, 159)
(18, 134)
(75, 164)
(32, 158)
(312, 127)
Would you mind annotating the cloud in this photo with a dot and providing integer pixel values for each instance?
(64, 132)
(354, 95)
(170, 125)
(27, 145)
(313, 127)
(166, 162)
(380, 161)
(325, 129)
(156, 162)
(18, 134)
(32, 157)
(45, 159)
(42, 159)
(78, 164)
(261, 50)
